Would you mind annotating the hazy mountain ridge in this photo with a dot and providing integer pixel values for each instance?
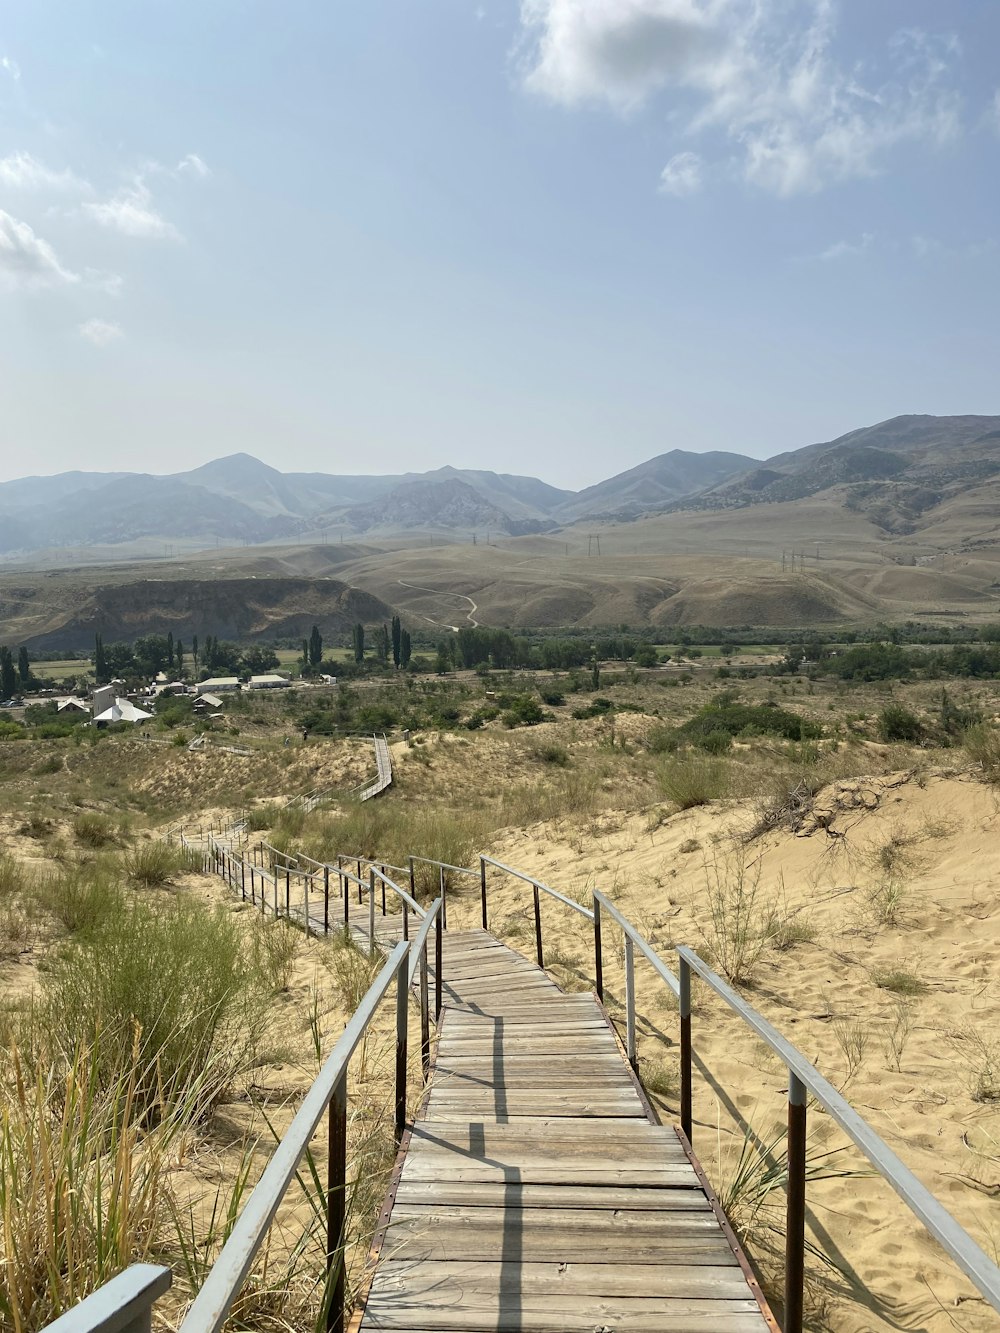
(896, 473)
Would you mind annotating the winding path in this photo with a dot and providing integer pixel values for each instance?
(438, 593)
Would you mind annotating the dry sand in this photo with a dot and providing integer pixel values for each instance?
(942, 835)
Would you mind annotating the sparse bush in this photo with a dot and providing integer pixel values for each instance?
(275, 947)
(742, 919)
(553, 753)
(853, 1036)
(897, 1032)
(899, 980)
(523, 711)
(261, 818)
(82, 898)
(152, 864)
(172, 986)
(982, 745)
(715, 742)
(351, 969)
(896, 723)
(691, 780)
(95, 830)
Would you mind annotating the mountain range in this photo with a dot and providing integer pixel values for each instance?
(896, 474)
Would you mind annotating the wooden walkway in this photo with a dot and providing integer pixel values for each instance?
(535, 1193)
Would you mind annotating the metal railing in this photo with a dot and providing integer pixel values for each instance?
(444, 869)
(124, 1305)
(537, 888)
(803, 1079)
(383, 761)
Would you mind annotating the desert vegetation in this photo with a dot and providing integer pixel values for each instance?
(814, 835)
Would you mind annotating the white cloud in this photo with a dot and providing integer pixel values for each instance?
(26, 260)
(131, 212)
(761, 78)
(21, 171)
(993, 114)
(848, 249)
(10, 67)
(100, 332)
(682, 175)
(193, 165)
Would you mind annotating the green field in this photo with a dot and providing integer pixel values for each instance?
(60, 670)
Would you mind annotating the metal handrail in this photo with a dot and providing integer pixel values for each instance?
(123, 1305)
(976, 1265)
(537, 883)
(429, 861)
(537, 887)
(391, 884)
(211, 1306)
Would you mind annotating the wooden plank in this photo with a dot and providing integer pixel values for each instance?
(501, 1194)
(541, 1315)
(492, 1278)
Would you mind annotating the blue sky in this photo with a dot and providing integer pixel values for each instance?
(555, 237)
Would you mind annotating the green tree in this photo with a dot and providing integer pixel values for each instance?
(8, 675)
(382, 643)
(23, 667)
(405, 647)
(179, 656)
(358, 640)
(100, 661)
(259, 659)
(305, 657)
(194, 651)
(315, 647)
(170, 649)
(397, 636)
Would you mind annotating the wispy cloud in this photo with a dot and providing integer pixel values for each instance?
(131, 212)
(27, 260)
(682, 175)
(193, 165)
(932, 247)
(764, 77)
(100, 332)
(847, 249)
(10, 67)
(21, 171)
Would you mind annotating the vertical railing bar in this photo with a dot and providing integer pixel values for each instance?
(438, 950)
(371, 912)
(482, 887)
(425, 1025)
(598, 953)
(630, 1002)
(326, 900)
(795, 1206)
(538, 927)
(684, 1001)
(336, 1206)
(402, 1013)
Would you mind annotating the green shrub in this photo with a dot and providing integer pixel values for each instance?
(174, 983)
(737, 719)
(715, 742)
(552, 753)
(896, 723)
(95, 830)
(523, 711)
(692, 780)
(152, 864)
(81, 898)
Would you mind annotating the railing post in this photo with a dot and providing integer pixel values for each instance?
(630, 1003)
(326, 900)
(406, 922)
(347, 899)
(795, 1216)
(482, 887)
(336, 1207)
(383, 892)
(425, 1019)
(413, 880)
(684, 1000)
(402, 1000)
(538, 928)
(441, 895)
(371, 912)
(437, 969)
(277, 912)
(598, 953)
(243, 879)
(305, 889)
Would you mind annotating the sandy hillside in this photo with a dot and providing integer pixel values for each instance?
(884, 876)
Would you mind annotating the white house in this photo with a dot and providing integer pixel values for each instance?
(219, 685)
(270, 682)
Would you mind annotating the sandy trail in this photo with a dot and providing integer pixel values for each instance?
(436, 592)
